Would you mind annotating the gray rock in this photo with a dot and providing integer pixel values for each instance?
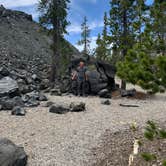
(6, 103)
(106, 102)
(11, 155)
(8, 86)
(48, 104)
(59, 109)
(77, 107)
(45, 83)
(128, 93)
(0, 107)
(32, 102)
(42, 97)
(18, 111)
(56, 92)
(104, 93)
(4, 71)
(9, 103)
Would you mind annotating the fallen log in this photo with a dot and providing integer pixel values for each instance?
(128, 105)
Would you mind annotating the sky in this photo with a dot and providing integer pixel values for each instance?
(92, 9)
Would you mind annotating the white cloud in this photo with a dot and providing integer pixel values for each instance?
(17, 3)
(74, 28)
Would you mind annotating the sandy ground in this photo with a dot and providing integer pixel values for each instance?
(67, 140)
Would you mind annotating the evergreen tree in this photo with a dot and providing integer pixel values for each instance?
(102, 51)
(121, 19)
(156, 27)
(53, 14)
(145, 64)
(85, 36)
(140, 19)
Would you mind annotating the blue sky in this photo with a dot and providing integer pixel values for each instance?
(93, 9)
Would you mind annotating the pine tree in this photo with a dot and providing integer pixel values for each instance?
(156, 27)
(145, 64)
(53, 14)
(85, 36)
(102, 51)
(121, 18)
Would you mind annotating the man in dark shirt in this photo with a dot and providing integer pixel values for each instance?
(81, 78)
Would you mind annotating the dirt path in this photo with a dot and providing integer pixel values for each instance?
(67, 140)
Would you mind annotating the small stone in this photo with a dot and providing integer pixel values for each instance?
(106, 102)
(56, 92)
(104, 93)
(48, 104)
(128, 93)
(42, 97)
(58, 109)
(77, 107)
(18, 111)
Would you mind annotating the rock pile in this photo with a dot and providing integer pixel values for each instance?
(19, 89)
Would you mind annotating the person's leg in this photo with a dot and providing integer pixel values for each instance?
(78, 88)
(83, 88)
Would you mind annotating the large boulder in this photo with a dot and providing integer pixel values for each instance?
(107, 70)
(8, 86)
(95, 82)
(11, 155)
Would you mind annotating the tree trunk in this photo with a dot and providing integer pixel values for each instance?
(56, 52)
(123, 84)
(125, 43)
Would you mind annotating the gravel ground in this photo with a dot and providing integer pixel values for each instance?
(67, 140)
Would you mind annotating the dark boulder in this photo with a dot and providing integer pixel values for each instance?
(6, 103)
(128, 93)
(9, 103)
(107, 70)
(77, 107)
(59, 109)
(95, 82)
(104, 93)
(9, 87)
(4, 71)
(11, 155)
(18, 111)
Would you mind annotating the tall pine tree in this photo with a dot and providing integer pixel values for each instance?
(121, 18)
(102, 51)
(53, 14)
(85, 36)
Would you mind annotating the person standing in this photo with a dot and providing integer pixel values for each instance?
(81, 78)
